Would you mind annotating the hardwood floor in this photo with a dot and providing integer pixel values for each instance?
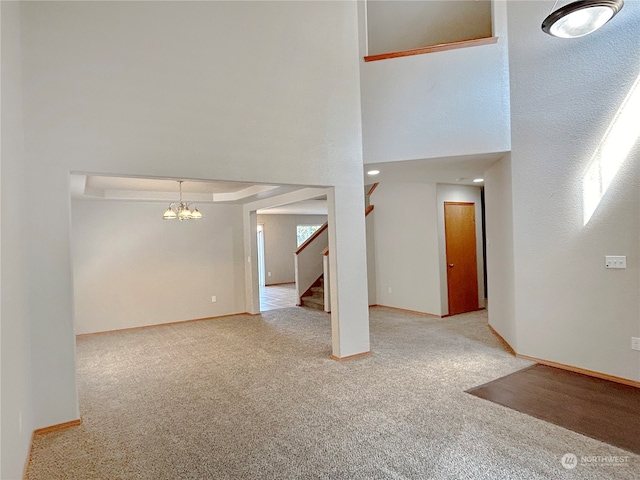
(273, 297)
(600, 409)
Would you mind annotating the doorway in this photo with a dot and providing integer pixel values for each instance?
(273, 296)
(461, 256)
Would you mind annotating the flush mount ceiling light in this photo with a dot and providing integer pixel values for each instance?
(182, 210)
(580, 18)
(373, 172)
(478, 180)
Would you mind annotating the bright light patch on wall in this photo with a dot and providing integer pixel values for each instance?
(612, 151)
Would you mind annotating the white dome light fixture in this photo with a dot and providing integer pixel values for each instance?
(580, 18)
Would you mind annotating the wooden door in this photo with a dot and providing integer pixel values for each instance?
(462, 267)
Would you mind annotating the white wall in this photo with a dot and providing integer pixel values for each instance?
(439, 104)
(16, 410)
(499, 233)
(132, 268)
(410, 253)
(565, 95)
(396, 25)
(458, 193)
(406, 246)
(280, 243)
(246, 91)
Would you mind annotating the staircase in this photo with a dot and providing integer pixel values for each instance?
(314, 297)
(307, 266)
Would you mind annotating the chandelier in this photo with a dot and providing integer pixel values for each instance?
(181, 210)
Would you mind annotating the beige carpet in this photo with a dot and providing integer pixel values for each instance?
(258, 397)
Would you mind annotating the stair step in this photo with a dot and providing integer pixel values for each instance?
(317, 290)
(313, 302)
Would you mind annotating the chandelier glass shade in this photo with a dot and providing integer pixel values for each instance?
(580, 18)
(182, 210)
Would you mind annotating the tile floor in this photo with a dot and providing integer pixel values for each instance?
(277, 296)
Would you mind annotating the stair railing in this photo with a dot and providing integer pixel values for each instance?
(308, 264)
(311, 261)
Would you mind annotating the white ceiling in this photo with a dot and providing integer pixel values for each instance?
(161, 185)
(455, 170)
(108, 187)
(316, 206)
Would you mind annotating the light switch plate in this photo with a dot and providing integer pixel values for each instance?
(615, 261)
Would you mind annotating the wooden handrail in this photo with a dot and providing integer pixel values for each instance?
(373, 187)
(315, 235)
(368, 210)
(433, 48)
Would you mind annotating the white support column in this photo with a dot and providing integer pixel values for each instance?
(252, 289)
(327, 286)
(348, 272)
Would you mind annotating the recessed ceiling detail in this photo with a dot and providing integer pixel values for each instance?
(161, 189)
(105, 187)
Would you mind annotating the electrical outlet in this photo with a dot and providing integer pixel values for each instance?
(268, 274)
(635, 343)
(615, 261)
(389, 289)
(213, 299)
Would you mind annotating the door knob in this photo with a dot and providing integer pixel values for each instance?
(451, 265)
